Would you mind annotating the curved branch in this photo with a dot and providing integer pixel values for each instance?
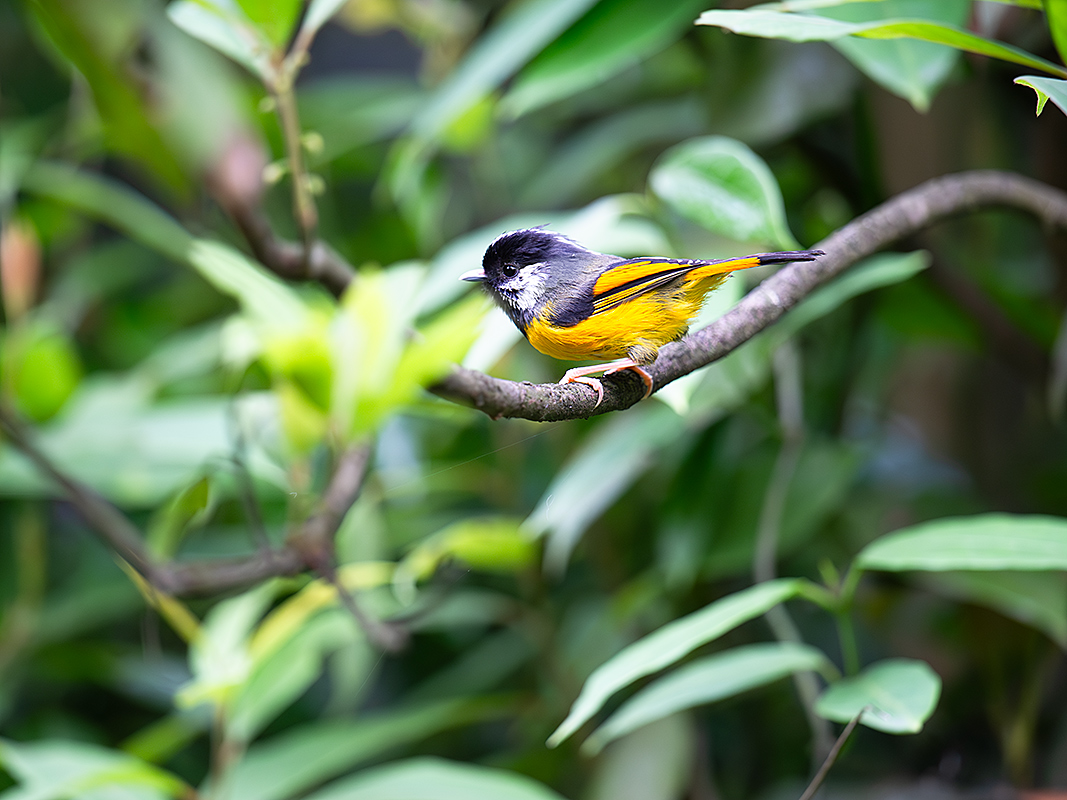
(309, 545)
(113, 527)
(289, 260)
(236, 182)
(901, 216)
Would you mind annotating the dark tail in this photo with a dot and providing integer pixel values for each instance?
(787, 257)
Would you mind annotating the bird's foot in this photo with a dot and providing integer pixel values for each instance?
(598, 387)
(581, 375)
(644, 376)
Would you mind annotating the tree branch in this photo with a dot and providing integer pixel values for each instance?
(285, 258)
(901, 216)
(309, 546)
(315, 537)
(204, 577)
(236, 183)
(116, 531)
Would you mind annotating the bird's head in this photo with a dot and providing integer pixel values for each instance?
(523, 269)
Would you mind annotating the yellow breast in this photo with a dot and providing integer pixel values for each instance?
(647, 322)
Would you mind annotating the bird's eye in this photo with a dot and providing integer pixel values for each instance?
(510, 270)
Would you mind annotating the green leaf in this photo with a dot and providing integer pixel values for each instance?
(99, 40)
(268, 300)
(111, 202)
(263, 296)
(981, 542)
(303, 757)
(275, 18)
(225, 28)
(671, 643)
(1038, 599)
(282, 676)
(170, 524)
(599, 472)
(809, 28)
(1056, 15)
(435, 779)
(1047, 89)
(706, 680)
(613, 35)
(54, 769)
(219, 658)
(378, 365)
(42, 367)
(902, 694)
(137, 453)
(439, 344)
(910, 68)
(319, 13)
(494, 58)
(291, 616)
(720, 184)
(300, 358)
(494, 544)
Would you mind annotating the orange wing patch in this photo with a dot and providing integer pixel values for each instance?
(626, 271)
(631, 279)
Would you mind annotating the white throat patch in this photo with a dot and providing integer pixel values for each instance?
(526, 289)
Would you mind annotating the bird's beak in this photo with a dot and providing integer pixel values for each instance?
(476, 275)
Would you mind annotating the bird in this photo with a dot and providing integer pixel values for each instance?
(576, 304)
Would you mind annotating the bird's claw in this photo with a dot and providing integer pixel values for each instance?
(598, 387)
(595, 383)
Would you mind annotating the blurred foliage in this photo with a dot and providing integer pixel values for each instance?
(894, 445)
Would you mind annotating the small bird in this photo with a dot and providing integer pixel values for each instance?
(575, 304)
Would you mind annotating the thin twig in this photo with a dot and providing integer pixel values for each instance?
(236, 181)
(210, 576)
(899, 217)
(315, 539)
(790, 402)
(307, 216)
(245, 488)
(310, 545)
(789, 395)
(288, 259)
(831, 757)
(388, 636)
(119, 533)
